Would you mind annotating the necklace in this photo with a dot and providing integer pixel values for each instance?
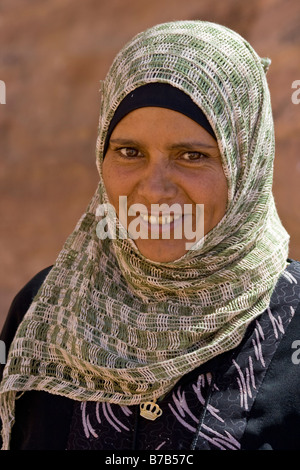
(150, 410)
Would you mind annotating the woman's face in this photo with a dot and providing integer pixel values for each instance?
(159, 156)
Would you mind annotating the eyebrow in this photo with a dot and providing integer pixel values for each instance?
(186, 145)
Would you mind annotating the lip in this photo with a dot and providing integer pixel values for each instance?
(158, 228)
(153, 230)
(160, 219)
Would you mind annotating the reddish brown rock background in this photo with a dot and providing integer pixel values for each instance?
(52, 56)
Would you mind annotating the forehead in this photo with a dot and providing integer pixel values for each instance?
(160, 123)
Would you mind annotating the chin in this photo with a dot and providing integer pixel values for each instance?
(161, 251)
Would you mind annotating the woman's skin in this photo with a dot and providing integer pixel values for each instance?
(157, 156)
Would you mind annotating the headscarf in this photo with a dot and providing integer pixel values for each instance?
(110, 325)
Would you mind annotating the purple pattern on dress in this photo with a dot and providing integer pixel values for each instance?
(207, 409)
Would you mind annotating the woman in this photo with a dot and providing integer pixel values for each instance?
(140, 338)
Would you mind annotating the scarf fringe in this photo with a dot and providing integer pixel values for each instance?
(7, 414)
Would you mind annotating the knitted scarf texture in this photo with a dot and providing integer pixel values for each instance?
(109, 325)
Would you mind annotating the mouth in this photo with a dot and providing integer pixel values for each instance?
(162, 219)
(167, 226)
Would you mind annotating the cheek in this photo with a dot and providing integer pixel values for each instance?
(110, 176)
(116, 182)
(109, 179)
(212, 191)
(222, 193)
(219, 196)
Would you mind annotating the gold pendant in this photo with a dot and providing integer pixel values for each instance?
(150, 410)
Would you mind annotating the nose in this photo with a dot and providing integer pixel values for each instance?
(157, 184)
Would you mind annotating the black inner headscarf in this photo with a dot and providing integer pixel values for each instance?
(161, 95)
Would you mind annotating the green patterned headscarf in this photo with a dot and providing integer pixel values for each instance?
(110, 325)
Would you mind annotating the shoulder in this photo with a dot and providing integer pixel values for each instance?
(293, 268)
(287, 289)
(286, 300)
(274, 419)
(24, 297)
(20, 305)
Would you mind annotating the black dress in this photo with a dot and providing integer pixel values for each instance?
(245, 399)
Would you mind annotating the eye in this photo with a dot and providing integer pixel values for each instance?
(193, 156)
(129, 152)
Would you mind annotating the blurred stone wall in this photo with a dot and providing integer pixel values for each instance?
(52, 56)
